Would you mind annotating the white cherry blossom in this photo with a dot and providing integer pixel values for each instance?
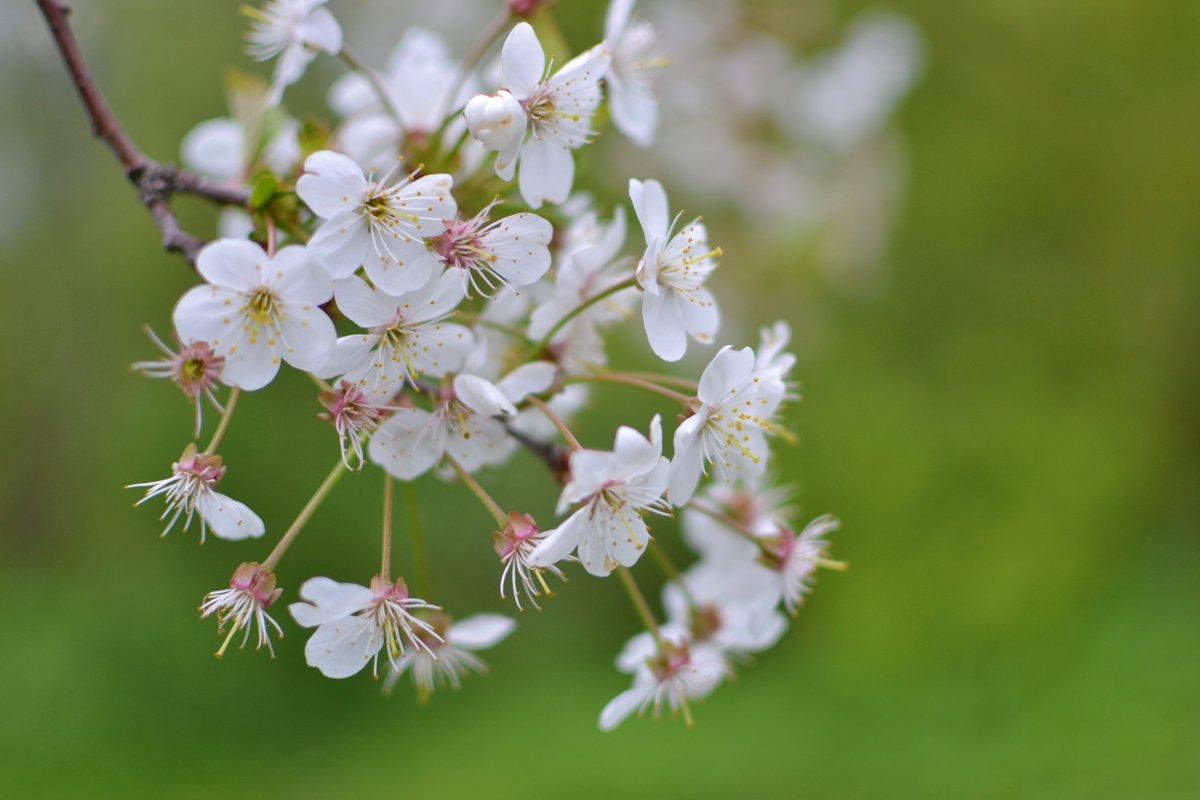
(448, 658)
(729, 425)
(373, 225)
(614, 487)
(462, 423)
(510, 252)
(672, 273)
(258, 310)
(354, 623)
(630, 76)
(190, 493)
(556, 112)
(407, 336)
(669, 675)
(295, 31)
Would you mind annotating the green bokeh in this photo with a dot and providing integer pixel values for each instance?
(1008, 429)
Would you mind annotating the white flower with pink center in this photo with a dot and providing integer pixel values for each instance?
(515, 545)
(407, 336)
(672, 274)
(195, 369)
(449, 655)
(190, 493)
(373, 225)
(555, 111)
(667, 675)
(510, 252)
(295, 31)
(243, 607)
(258, 310)
(462, 423)
(614, 488)
(354, 623)
(728, 429)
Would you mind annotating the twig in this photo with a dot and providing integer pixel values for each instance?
(155, 182)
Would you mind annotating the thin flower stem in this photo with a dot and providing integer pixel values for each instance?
(491, 505)
(726, 520)
(557, 420)
(223, 425)
(385, 561)
(629, 380)
(663, 378)
(305, 513)
(639, 603)
(354, 62)
(271, 236)
(417, 535)
(584, 306)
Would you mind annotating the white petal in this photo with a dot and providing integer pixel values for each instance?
(215, 149)
(364, 306)
(297, 278)
(343, 647)
(233, 263)
(249, 365)
(441, 296)
(409, 443)
(700, 315)
(228, 518)
(650, 205)
(480, 631)
(528, 379)
(560, 541)
(522, 60)
(616, 19)
(321, 31)
(637, 651)
(329, 600)
(621, 706)
(728, 370)
(521, 246)
(664, 328)
(688, 462)
(349, 354)
(203, 313)
(634, 110)
(341, 244)
(478, 442)
(308, 335)
(405, 265)
(482, 396)
(332, 184)
(547, 171)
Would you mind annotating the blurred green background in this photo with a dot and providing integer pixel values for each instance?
(1008, 427)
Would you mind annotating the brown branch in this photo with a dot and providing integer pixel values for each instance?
(155, 182)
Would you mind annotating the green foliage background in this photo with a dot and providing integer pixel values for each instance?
(1008, 428)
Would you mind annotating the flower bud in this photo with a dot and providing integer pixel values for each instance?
(497, 121)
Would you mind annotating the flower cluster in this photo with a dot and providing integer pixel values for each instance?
(430, 265)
